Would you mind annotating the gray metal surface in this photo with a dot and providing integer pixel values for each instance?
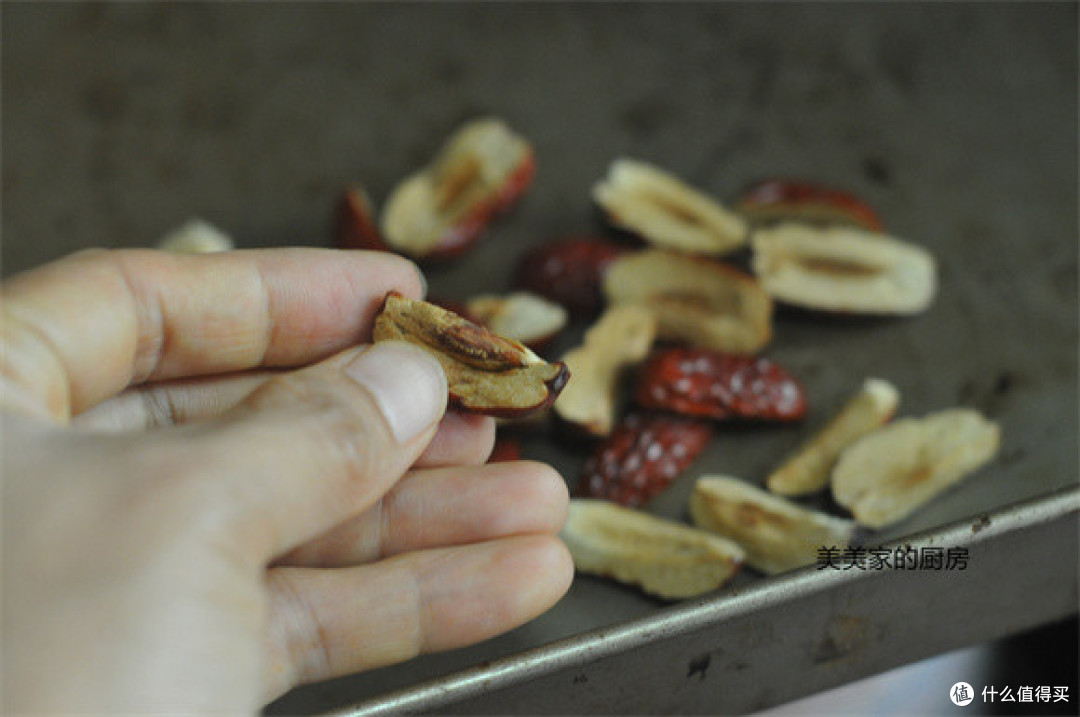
(958, 122)
(778, 640)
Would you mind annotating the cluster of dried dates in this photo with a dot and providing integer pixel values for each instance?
(672, 353)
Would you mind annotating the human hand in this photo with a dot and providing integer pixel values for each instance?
(209, 497)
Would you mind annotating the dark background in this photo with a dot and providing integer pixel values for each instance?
(957, 122)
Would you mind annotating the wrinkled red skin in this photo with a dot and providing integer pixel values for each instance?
(355, 226)
(460, 237)
(569, 272)
(505, 450)
(709, 384)
(642, 456)
(802, 200)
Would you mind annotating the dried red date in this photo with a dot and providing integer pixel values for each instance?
(569, 272)
(642, 456)
(798, 200)
(695, 382)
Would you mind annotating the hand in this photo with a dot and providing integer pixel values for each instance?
(212, 495)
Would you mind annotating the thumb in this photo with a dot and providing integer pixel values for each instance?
(311, 448)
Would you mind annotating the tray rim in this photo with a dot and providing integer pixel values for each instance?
(689, 617)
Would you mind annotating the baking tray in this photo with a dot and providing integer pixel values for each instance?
(957, 122)
(775, 640)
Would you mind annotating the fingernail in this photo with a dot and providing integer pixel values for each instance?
(408, 385)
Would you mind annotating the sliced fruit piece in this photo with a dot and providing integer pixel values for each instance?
(621, 338)
(776, 534)
(843, 270)
(889, 473)
(486, 373)
(799, 200)
(196, 236)
(569, 272)
(807, 471)
(702, 302)
(522, 316)
(354, 219)
(666, 212)
(699, 382)
(662, 557)
(439, 212)
(642, 456)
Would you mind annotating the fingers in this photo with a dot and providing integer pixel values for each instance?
(311, 448)
(167, 403)
(415, 603)
(462, 439)
(80, 330)
(442, 507)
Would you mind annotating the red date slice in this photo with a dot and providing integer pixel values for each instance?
(439, 212)
(797, 200)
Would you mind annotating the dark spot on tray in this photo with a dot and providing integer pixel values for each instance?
(739, 666)
(1014, 456)
(1004, 383)
(844, 637)
(699, 666)
(877, 171)
(580, 679)
(828, 651)
(992, 399)
(983, 522)
(991, 394)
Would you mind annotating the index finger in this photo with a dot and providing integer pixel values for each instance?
(80, 330)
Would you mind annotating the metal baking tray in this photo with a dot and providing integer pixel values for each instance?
(957, 122)
(775, 640)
